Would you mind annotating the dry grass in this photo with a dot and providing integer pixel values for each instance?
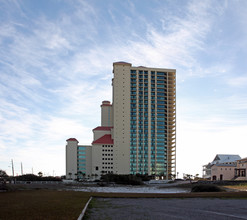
(52, 204)
(42, 204)
(241, 187)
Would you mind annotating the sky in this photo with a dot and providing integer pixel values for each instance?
(56, 68)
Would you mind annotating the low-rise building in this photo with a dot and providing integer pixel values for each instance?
(240, 170)
(223, 171)
(219, 159)
(78, 160)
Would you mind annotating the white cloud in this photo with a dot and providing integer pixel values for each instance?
(237, 81)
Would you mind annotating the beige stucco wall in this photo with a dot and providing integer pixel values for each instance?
(121, 114)
(71, 159)
(72, 152)
(106, 115)
(228, 172)
(96, 159)
(102, 156)
(99, 133)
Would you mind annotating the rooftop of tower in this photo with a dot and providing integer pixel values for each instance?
(122, 63)
(137, 67)
(72, 139)
(106, 103)
(102, 128)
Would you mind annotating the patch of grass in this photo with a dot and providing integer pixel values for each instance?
(241, 187)
(42, 204)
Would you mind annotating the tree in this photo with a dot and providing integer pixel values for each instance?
(84, 174)
(40, 174)
(196, 177)
(3, 175)
(70, 175)
(79, 175)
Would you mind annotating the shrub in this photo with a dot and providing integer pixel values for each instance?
(206, 188)
(122, 179)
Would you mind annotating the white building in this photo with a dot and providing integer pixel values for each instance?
(138, 130)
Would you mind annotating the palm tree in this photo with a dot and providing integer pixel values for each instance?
(79, 174)
(70, 175)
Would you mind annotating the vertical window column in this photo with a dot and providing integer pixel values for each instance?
(133, 123)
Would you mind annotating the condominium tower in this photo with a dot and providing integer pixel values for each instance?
(139, 125)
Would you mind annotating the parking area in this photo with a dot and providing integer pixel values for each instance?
(156, 208)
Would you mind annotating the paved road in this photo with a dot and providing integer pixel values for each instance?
(151, 208)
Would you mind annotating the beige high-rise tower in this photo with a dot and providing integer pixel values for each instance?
(138, 130)
(144, 120)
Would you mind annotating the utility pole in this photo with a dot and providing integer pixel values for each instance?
(21, 169)
(13, 173)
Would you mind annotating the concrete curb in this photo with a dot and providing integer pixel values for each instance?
(84, 210)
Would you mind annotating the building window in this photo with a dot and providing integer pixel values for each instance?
(96, 168)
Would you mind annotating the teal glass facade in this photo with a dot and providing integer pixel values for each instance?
(81, 160)
(148, 121)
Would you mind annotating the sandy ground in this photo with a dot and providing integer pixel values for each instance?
(132, 189)
(165, 188)
(153, 208)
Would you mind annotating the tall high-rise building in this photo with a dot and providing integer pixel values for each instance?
(144, 112)
(139, 127)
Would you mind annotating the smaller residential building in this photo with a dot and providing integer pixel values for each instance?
(227, 159)
(223, 171)
(240, 170)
